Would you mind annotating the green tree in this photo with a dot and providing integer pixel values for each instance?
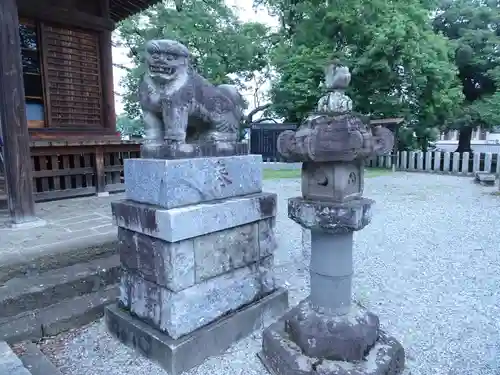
(400, 67)
(128, 126)
(224, 50)
(474, 27)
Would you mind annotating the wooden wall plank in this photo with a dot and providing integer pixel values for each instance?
(88, 165)
(73, 71)
(78, 165)
(109, 115)
(67, 167)
(44, 166)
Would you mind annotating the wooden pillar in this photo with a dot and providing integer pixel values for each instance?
(99, 170)
(18, 169)
(106, 59)
(395, 148)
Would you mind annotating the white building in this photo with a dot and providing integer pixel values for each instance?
(481, 141)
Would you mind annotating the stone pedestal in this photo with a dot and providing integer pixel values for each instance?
(326, 334)
(281, 355)
(196, 242)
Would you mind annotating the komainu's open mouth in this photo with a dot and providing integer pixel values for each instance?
(162, 69)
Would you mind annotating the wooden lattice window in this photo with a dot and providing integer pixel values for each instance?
(73, 78)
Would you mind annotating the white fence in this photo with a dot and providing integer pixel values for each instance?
(440, 162)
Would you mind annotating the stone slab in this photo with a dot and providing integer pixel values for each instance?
(283, 356)
(177, 356)
(486, 179)
(181, 223)
(193, 150)
(178, 314)
(10, 364)
(33, 292)
(267, 236)
(223, 251)
(167, 264)
(177, 183)
(331, 217)
(47, 255)
(56, 318)
(36, 362)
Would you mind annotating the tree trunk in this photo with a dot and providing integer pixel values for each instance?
(253, 112)
(464, 138)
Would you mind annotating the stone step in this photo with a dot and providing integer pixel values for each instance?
(57, 255)
(10, 364)
(57, 318)
(36, 362)
(24, 294)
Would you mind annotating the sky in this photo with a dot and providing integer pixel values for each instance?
(245, 12)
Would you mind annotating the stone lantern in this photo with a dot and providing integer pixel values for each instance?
(327, 333)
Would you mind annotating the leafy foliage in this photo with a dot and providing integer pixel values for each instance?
(224, 50)
(400, 67)
(128, 126)
(474, 27)
(436, 69)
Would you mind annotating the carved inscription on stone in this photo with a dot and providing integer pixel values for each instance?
(352, 178)
(351, 186)
(222, 174)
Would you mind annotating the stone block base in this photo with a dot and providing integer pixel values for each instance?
(342, 338)
(281, 356)
(180, 265)
(284, 353)
(177, 224)
(484, 178)
(177, 356)
(179, 313)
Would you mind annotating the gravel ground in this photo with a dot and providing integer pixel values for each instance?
(428, 265)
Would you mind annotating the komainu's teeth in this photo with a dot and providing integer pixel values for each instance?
(162, 69)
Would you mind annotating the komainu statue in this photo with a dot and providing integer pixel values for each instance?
(181, 106)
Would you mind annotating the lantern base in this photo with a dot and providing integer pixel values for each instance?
(282, 353)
